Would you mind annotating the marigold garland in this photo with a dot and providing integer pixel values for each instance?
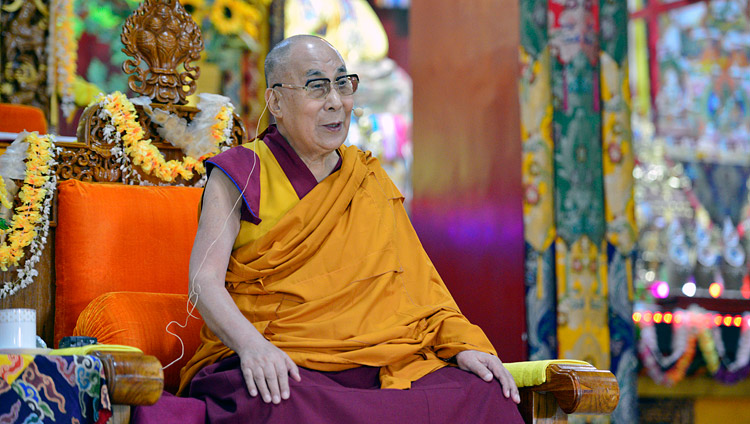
(30, 223)
(4, 200)
(683, 353)
(708, 350)
(125, 127)
(675, 374)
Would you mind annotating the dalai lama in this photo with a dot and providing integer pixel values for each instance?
(320, 304)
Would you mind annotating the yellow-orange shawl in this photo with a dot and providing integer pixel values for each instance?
(343, 281)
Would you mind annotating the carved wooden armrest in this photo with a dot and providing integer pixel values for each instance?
(132, 378)
(569, 389)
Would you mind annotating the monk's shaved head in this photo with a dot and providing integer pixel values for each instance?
(277, 60)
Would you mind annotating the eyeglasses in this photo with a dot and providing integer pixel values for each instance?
(319, 88)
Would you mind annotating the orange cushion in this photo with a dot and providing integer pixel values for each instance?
(17, 118)
(115, 237)
(140, 319)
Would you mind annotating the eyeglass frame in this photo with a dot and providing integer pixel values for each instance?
(350, 77)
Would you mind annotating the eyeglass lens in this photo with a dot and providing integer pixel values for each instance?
(345, 85)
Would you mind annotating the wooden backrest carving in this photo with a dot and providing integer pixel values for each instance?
(23, 57)
(92, 159)
(160, 36)
(164, 36)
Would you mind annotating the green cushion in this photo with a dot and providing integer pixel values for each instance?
(534, 373)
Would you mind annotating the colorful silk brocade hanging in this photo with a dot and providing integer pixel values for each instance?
(538, 181)
(618, 161)
(582, 328)
(575, 124)
(53, 389)
(581, 264)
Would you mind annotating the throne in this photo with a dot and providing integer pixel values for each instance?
(121, 250)
(124, 235)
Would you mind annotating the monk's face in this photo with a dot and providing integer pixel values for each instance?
(313, 126)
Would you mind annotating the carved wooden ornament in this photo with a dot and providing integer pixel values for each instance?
(23, 58)
(164, 36)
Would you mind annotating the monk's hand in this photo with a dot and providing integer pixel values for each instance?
(487, 367)
(266, 370)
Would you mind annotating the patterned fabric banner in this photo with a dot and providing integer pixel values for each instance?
(581, 264)
(53, 389)
(538, 180)
(618, 162)
(578, 207)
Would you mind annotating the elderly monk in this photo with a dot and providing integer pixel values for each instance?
(315, 290)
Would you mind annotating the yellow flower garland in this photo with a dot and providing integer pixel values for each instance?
(4, 200)
(29, 215)
(123, 117)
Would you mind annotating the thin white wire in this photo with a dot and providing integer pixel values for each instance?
(195, 289)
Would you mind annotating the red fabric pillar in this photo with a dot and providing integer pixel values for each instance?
(467, 204)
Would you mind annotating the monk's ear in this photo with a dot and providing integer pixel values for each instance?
(273, 102)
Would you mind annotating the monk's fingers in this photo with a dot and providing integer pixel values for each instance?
(272, 380)
(293, 369)
(505, 378)
(259, 376)
(498, 370)
(247, 373)
(509, 386)
(283, 376)
(474, 365)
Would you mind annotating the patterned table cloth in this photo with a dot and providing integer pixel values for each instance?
(53, 389)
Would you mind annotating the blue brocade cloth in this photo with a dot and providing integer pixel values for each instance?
(53, 389)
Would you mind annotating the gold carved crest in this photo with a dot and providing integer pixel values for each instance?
(161, 37)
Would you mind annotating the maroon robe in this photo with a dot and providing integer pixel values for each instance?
(218, 394)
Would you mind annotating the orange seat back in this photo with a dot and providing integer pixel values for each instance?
(17, 118)
(115, 237)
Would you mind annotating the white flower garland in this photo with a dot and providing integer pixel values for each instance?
(212, 126)
(742, 358)
(134, 178)
(676, 363)
(679, 344)
(693, 333)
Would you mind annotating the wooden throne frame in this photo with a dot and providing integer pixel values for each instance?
(160, 37)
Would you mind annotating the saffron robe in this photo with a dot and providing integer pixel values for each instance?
(337, 279)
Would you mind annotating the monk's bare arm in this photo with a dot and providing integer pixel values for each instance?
(264, 366)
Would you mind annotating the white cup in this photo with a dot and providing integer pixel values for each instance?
(17, 328)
